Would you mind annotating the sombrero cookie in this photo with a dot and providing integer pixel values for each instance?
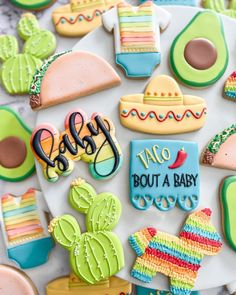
(80, 17)
(230, 87)
(162, 109)
(220, 151)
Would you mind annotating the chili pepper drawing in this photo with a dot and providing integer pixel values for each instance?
(180, 159)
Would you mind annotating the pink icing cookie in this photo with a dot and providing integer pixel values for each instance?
(69, 75)
(13, 281)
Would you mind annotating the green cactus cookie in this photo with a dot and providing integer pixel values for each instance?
(18, 69)
(96, 254)
(27, 26)
(219, 6)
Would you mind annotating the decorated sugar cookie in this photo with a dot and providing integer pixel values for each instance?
(32, 4)
(78, 73)
(221, 150)
(174, 2)
(228, 203)
(137, 36)
(80, 17)
(92, 141)
(164, 173)
(219, 6)
(96, 254)
(177, 257)
(162, 109)
(73, 286)
(199, 54)
(16, 158)
(24, 228)
(14, 281)
(230, 87)
(18, 69)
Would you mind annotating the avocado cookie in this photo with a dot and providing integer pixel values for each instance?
(228, 206)
(199, 54)
(16, 158)
(32, 4)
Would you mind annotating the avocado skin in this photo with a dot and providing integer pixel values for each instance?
(12, 125)
(41, 4)
(201, 26)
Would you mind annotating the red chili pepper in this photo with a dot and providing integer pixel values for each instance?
(180, 159)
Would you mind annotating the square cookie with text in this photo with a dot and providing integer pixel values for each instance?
(164, 173)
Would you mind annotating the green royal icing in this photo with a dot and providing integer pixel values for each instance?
(32, 4)
(220, 138)
(219, 6)
(18, 69)
(27, 26)
(228, 201)
(96, 254)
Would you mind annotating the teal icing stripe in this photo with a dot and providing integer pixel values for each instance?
(177, 291)
(102, 170)
(141, 276)
(19, 211)
(134, 245)
(174, 253)
(231, 94)
(135, 19)
(198, 231)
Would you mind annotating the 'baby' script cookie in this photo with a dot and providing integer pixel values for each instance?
(164, 173)
(92, 141)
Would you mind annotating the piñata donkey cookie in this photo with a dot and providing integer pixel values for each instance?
(177, 257)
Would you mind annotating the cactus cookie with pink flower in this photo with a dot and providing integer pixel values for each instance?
(96, 254)
(18, 69)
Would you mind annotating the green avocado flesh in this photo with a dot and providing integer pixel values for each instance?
(31, 4)
(16, 159)
(205, 25)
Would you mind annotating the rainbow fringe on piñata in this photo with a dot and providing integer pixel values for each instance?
(230, 87)
(179, 258)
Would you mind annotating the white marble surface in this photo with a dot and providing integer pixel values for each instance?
(55, 267)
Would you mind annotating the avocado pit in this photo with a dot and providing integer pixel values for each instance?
(13, 152)
(200, 53)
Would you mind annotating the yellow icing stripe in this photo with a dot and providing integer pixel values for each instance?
(19, 216)
(135, 25)
(22, 205)
(137, 29)
(139, 13)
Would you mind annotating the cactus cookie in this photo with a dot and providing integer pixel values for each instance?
(18, 68)
(96, 254)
